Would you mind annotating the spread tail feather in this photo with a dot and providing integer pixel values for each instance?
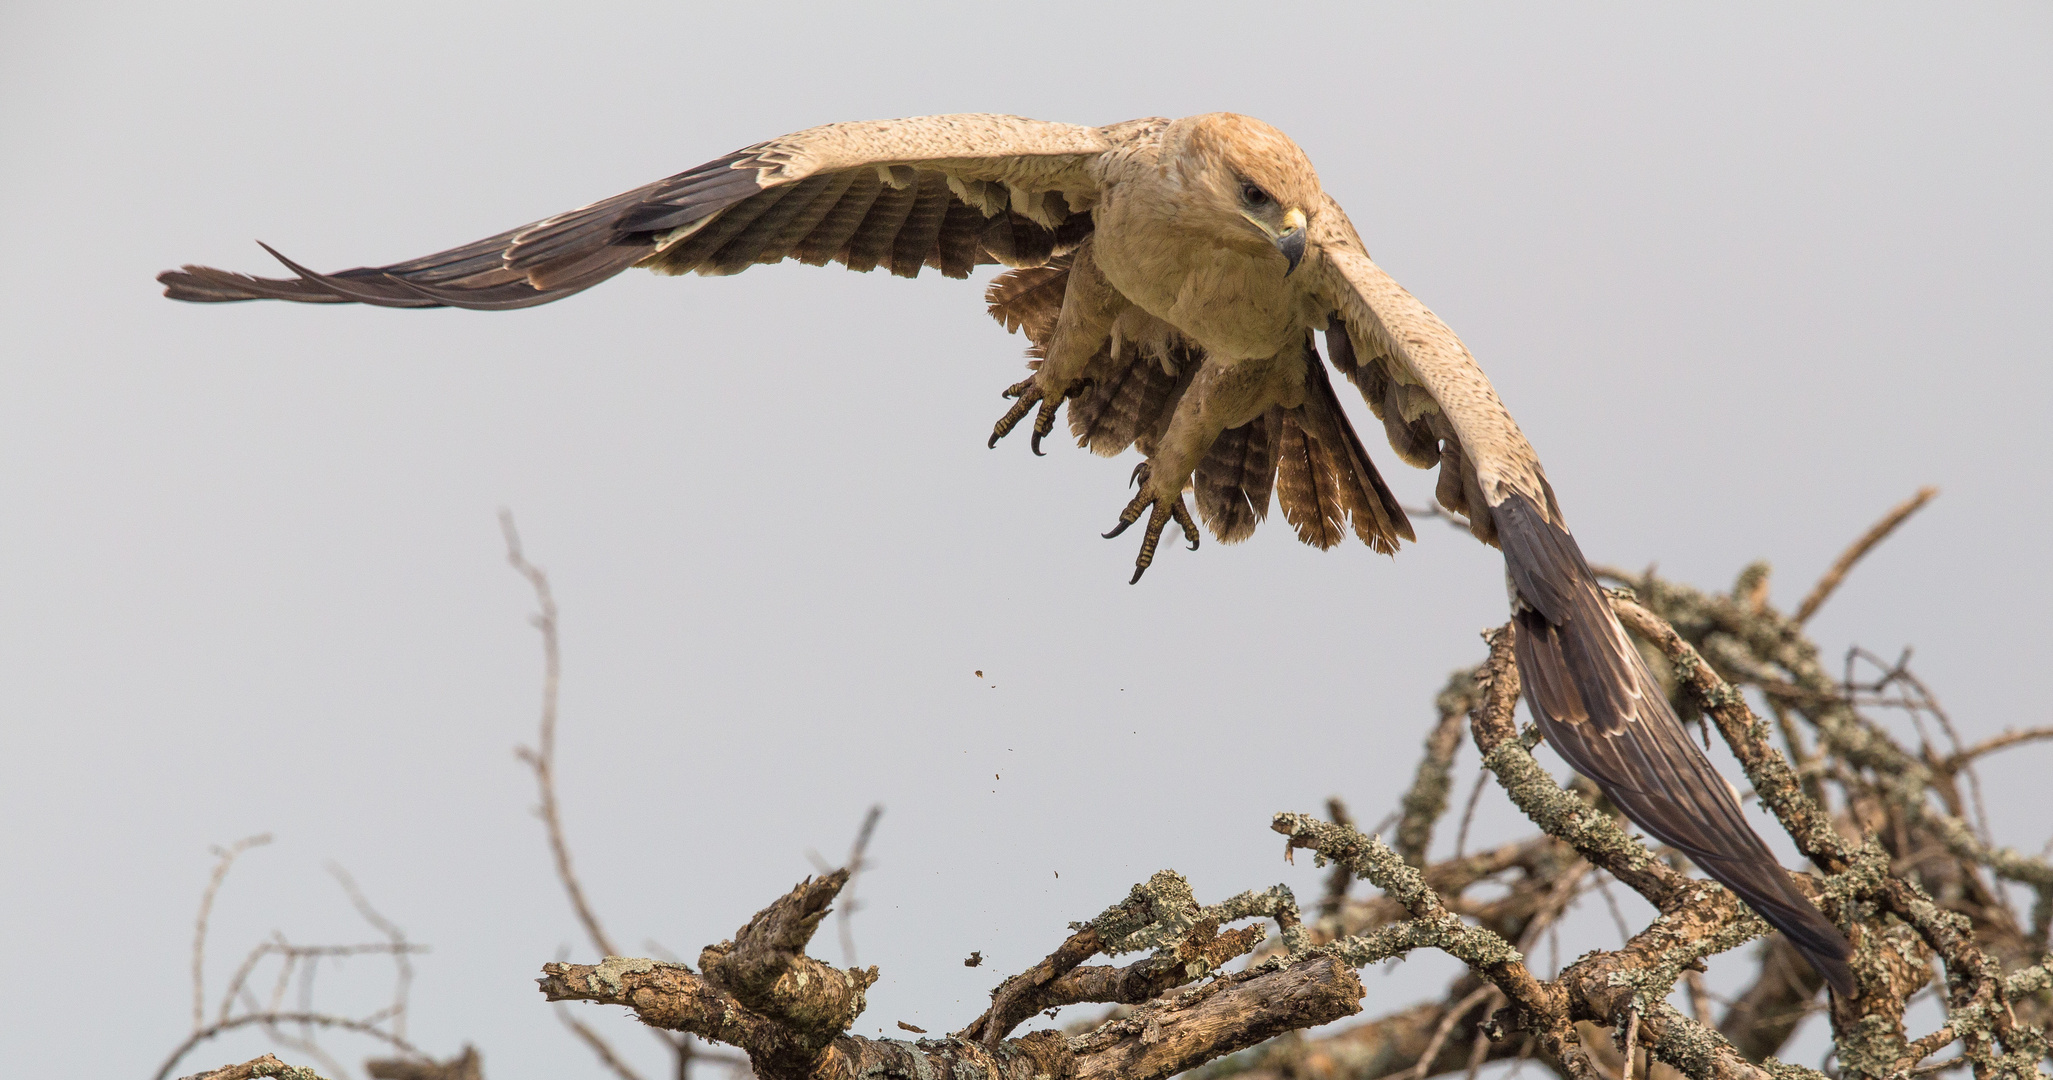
(1604, 712)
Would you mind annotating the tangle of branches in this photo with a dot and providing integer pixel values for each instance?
(1862, 767)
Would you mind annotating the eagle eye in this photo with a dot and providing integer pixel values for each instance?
(1254, 196)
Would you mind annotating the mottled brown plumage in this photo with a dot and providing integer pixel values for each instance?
(1171, 276)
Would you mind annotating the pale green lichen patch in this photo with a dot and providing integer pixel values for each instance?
(1691, 1047)
(1559, 812)
(1652, 984)
(1156, 911)
(1369, 858)
(612, 968)
(1782, 1070)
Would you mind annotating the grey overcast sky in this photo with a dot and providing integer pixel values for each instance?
(1747, 275)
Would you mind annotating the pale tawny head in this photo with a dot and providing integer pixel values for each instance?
(1255, 184)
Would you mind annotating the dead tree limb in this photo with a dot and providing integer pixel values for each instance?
(789, 1013)
(1879, 532)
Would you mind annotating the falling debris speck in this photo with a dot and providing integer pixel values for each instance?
(980, 674)
(975, 958)
(908, 1027)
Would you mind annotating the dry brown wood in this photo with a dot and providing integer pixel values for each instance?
(1879, 532)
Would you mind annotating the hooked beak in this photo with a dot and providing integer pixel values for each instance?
(1291, 241)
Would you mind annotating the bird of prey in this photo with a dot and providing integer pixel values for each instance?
(1172, 277)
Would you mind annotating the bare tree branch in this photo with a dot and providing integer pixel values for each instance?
(598, 1045)
(856, 864)
(225, 858)
(1911, 873)
(1822, 591)
(542, 758)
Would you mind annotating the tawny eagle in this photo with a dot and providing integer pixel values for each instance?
(1171, 276)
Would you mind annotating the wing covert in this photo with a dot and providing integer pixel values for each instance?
(948, 192)
(1417, 376)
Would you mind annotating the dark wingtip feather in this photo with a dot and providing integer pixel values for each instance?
(189, 284)
(1604, 712)
(207, 285)
(362, 290)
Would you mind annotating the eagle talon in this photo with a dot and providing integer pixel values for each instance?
(1026, 393)
(1159, 517)
(1014, 415)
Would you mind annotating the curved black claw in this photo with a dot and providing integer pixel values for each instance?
(1183, 521)
(1159, 517)
(1027, 393)
(1044, 422)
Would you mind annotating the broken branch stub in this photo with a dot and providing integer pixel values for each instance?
(765, 967)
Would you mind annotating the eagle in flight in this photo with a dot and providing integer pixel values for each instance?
(1172, 277)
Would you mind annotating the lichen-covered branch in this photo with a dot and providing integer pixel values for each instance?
(1426, 799)
(255, 1068)
(1595, 835)
(1908, 867)
(790, 1013)
(1167, 1035)
(1180, 1031)
(1773, 779)
(1765, 1014)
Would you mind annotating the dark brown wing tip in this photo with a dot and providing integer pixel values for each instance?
(1829, 954)
(1838, 974)
(1605, 714)
(207, 285)
(184, 284)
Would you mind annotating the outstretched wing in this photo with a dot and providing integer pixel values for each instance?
(1586, 684)
(949, 192)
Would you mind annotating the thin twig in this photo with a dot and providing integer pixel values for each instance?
(199, 934)
(1631, 1044)
(1993, 744)
(1338, 879)
(271, 1020)
(845, 907)
(1822, 591)
(542, 759)
(1468, 812)
(1434, 510)
(600, 1048)
(1617, 913)
(1424, 1066)
(403, 981)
